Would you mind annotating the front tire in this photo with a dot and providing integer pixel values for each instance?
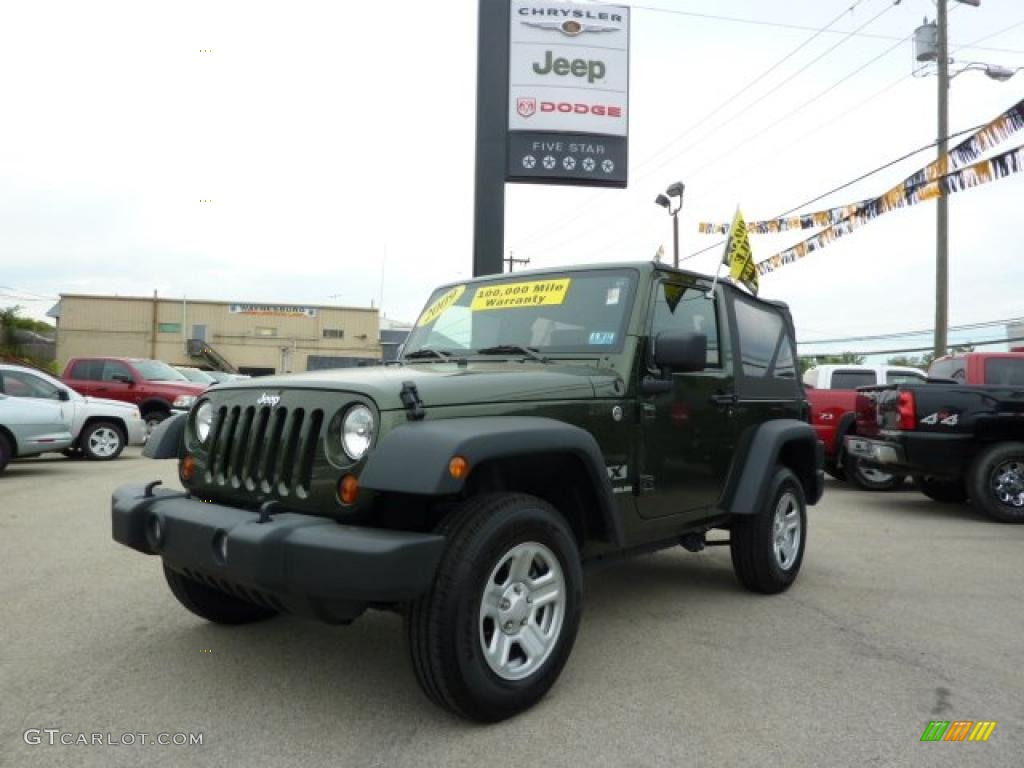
(6, 452)
(768, 547)
(942, 490)
(996, 482)
(102, 441)
(212, 604)
(868, 478)
(493, 633)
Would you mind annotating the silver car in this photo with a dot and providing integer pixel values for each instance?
(30, 427)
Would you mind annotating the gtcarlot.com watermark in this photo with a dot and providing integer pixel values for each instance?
(55, 736)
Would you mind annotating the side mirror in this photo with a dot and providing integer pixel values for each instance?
(681, 351)
(63, 395)
(123, 379)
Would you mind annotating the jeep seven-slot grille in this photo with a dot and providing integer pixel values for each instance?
(265, 449)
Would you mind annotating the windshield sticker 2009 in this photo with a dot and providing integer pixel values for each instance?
(445, 300)
(536, 293)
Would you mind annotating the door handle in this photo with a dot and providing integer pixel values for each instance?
(724, 398)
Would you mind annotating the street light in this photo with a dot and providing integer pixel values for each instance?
(931, 43)
(674, 190)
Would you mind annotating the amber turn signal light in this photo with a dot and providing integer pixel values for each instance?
(187, 468)
(458, 467)
(348, 489)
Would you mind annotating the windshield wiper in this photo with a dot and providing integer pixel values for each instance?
(427, 352)
(512, 349)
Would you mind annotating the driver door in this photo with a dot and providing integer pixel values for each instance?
(687, 433)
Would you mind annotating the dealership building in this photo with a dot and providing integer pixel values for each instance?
(257, 339)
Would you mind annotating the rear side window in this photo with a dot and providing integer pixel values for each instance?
(87, 370)
(952, 368)
(115, 371)
(767, 352)
(852, 379)
(1004, 371)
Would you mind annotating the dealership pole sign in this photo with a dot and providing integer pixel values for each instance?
(568, 93)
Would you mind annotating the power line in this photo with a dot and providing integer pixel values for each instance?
(897, 335)
(929, 348)
(805, 28)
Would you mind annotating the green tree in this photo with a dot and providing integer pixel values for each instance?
(9, 318)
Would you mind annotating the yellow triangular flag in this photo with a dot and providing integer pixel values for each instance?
(738, 256)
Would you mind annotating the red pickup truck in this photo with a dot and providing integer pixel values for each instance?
(154, 386)
(832, 393)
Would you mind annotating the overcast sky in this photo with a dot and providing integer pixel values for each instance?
(335, 141)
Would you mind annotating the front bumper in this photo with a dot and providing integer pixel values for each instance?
(137, 433)
(302, 564)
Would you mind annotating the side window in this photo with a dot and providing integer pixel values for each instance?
(785, 365)
(902, 377)
(87, 370)
(760, 333)
(952, 368)
(686, 308)
(112, 368)
(19, 384)
(851, 379)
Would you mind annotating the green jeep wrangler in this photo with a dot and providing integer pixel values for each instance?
(535, 423)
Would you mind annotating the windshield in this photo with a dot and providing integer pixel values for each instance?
(199, 377)
(582, 312)
(155, 370)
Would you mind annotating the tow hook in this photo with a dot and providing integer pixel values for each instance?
(151, 486)
(265, 510)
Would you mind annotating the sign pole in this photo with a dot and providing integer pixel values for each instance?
(491, 137)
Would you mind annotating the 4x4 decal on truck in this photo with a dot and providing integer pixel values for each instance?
(944, 418)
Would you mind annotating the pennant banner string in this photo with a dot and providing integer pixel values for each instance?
(998, 167)
(967, 151)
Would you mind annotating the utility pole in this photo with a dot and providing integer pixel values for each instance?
(942, 203)
(511, 260)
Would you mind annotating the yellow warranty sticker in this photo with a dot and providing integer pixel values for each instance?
(445, 300)
(511, 295)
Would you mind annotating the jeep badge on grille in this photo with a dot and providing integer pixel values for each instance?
(268, 399)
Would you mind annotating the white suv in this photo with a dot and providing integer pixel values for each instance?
(100, 428)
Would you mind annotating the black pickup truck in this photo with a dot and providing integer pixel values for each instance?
(958, 441)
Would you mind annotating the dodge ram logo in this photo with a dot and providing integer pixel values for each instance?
(268, 399)
(526, 106)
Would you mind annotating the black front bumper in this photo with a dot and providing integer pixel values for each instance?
(303, 564)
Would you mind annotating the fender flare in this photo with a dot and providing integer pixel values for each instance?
(167, 440)
(756, 457)
(413, 458)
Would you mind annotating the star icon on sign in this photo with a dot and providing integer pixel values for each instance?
(549, 162)
(529, 161)
(588, 163)
(569, 163)
(607, 166)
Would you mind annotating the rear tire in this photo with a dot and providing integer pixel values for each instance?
(768, 547)
(494, 631)
(942, 490)
(102, 441)
(996, 482)
(6, 451)
(868, 478)
(153, 418)
(212, 604)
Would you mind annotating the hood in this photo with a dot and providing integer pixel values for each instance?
(444, 384)
(172, 389)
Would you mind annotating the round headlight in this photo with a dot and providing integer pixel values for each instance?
(204, 420)
(357, 431)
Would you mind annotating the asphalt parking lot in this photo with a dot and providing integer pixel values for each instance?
(906, 611)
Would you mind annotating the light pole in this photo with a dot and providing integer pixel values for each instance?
(931, 43)
(674, 190)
